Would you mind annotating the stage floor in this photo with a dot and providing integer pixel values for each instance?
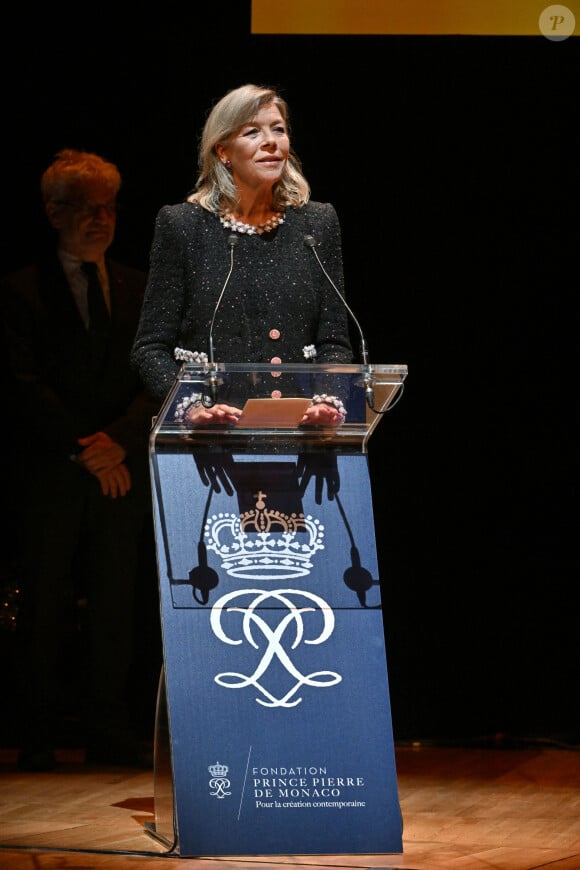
(464, 808)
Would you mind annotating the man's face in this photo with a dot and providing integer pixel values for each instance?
(85, 221)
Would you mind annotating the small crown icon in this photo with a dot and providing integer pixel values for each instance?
(218, 769)
(262, 544)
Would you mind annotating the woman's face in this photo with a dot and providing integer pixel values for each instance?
(259, 150)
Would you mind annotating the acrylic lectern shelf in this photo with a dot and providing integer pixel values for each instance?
(358, 387)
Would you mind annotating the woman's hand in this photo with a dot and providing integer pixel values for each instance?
(322, 415)
(198, 415)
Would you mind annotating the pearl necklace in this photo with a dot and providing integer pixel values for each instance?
(230, 223)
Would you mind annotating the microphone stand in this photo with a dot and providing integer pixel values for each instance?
(368, 375)
(209, 401)
(310, 242)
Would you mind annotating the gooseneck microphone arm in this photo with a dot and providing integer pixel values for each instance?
(210, 400)
(232, 242)
(311, 243)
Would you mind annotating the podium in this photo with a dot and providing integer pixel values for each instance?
(273, 729)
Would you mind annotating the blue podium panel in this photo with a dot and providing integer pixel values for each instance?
(275, 666)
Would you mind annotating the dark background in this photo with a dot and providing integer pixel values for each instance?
(453, 164)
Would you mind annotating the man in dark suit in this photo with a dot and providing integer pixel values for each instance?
(80, 420)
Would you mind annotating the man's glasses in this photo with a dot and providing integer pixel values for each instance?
(91, 209)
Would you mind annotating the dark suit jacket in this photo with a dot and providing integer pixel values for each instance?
(55, 397)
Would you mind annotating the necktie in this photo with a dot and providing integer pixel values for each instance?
(99, 321)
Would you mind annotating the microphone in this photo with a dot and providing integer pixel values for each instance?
(213, 381)
(311, 243)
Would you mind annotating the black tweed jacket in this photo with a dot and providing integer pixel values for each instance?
(277, 300)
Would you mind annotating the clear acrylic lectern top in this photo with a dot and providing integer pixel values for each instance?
(365, 391)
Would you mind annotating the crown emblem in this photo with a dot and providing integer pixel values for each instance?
(218, 769)
(264, 544)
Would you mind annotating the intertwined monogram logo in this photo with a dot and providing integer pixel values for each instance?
(219, 781)
(315, 616)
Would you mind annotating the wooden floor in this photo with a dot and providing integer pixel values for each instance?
(464, 808)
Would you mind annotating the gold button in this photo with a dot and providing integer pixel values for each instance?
(275, 360)
(276, 394)
(274, 334)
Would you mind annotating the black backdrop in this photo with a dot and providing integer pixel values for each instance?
(453, 164)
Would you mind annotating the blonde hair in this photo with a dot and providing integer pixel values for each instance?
(215, 189)
(71, 169)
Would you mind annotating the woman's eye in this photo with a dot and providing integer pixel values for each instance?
(251, 132)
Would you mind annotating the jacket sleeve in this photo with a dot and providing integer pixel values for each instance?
(162, 312)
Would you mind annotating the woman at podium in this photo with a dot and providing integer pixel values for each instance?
(247, 268)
